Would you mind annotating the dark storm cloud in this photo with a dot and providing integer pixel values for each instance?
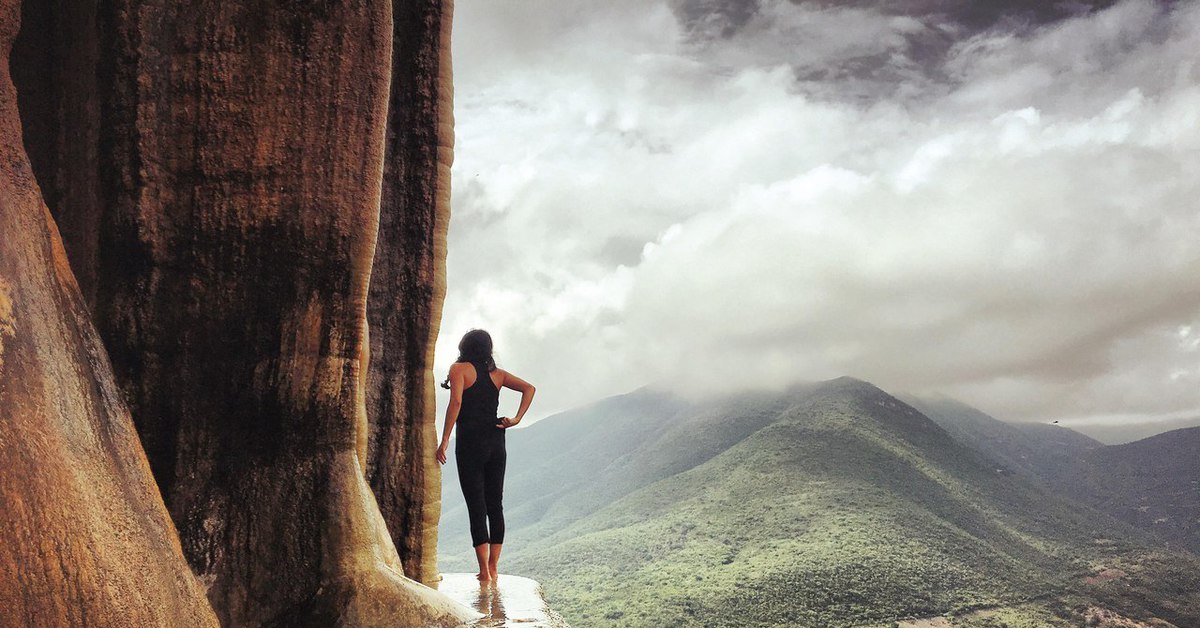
(992, 201)
(714, 18)
(862, 50)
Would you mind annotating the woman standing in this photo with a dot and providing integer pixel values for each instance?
(475, 383)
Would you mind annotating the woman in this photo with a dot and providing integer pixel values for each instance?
(475, 383)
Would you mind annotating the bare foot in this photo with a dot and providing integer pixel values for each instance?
(493, 572)
(484, 577)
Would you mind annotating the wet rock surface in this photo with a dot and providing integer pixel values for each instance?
(510, 602)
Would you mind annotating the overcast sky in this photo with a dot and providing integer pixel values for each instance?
(993, 204)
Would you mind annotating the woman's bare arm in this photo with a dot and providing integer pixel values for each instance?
(457, 381)
(526, 389)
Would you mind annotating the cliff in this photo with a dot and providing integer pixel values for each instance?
(404, 301)
(218, 170)
(87, 539)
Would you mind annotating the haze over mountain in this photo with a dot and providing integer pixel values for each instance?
(825, 504)
(1114, 433)
(990, 199)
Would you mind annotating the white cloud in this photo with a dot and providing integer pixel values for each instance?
(1017, 227)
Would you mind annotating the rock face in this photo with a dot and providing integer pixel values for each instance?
(87, 539)
(55, 64)
(222, 211)
(407, 285)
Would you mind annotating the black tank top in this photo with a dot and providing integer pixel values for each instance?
(479, 401)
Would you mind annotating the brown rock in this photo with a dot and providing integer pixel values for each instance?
(55, 66)
(404, 304)
(245, 209)
(241, 147)
(87, 539)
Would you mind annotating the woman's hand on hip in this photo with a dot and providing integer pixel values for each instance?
(506, 422)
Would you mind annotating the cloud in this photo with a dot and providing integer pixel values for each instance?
(1001, 209)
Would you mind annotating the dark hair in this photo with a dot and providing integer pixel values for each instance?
(475, 346)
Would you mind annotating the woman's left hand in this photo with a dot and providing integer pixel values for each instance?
(441, 453)
(506, 422)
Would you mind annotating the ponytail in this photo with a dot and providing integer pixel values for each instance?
(475, 346)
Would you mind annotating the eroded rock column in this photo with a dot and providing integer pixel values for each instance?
(86, 538)
(408, 283)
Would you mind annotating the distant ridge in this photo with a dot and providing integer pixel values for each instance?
(1153, 483)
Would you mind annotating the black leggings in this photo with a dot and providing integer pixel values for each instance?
(480, 459)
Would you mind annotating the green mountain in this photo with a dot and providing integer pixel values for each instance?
(1043, 451)
(1153, 483)
(832, 504)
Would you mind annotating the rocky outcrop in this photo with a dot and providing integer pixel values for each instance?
(87, 539)
(228, 236)
(404, 303)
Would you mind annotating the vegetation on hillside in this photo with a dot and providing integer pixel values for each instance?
(1153, 483)
(827, 505)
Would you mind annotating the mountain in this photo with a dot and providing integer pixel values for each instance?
(827, 504)
(1042, 451)
(1153, 483)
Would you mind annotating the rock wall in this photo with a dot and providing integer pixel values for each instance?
(408, 284)
(224, 222)
(55, 64)
(86, 537)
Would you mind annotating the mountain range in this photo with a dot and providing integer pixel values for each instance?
(825, 504)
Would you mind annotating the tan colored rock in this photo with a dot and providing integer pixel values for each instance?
(407, 288)
(86, 537)
(241, 147)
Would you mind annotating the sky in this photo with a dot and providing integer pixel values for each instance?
(993, 201)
